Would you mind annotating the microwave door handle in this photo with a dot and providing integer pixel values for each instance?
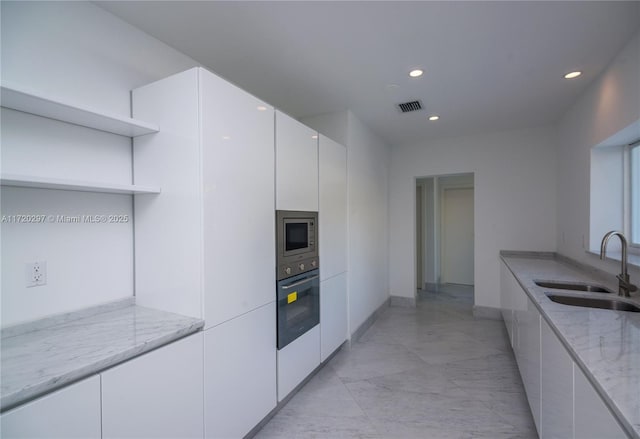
(309, 279)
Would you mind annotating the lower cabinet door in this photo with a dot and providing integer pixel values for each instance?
(557, 387)
(593, 420)
(297, 360)
(240, 373)
(157, 395)
(529, 339)
(333, 314)
(71, 412)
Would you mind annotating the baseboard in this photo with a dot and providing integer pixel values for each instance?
(403, 302)
(355, 336)
(487, 312)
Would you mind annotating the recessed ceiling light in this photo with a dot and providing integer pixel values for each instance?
(314, 136)
(572, 75)
(262, 108)
(416, 73)
(434, 118)
(226, 137)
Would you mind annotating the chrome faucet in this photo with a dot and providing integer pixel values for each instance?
(624, 285)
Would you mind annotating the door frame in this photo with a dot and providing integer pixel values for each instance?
(437, 188)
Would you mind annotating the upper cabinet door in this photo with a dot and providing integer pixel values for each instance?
(238, 187)
(296, 165)
(333, 208)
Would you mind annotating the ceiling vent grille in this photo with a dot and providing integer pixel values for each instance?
(407, 107)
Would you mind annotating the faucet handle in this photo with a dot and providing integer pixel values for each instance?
(624, 282)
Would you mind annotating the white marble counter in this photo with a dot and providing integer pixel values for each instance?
(605, 344)
(46, 355)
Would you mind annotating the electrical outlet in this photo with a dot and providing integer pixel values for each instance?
(36, 273)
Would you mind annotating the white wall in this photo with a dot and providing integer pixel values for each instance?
(83, 54)
(611, 104)
(515, 205)
(368, 176)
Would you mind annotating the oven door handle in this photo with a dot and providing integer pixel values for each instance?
(309, 279)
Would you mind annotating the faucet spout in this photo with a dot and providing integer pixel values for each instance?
(624, 284)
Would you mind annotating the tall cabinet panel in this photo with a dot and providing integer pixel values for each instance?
(206, 245)
(333, 207)
(332, 158)
(239, 221)
(240, 373)
(168, 227)
(296, 165)
(212, 226)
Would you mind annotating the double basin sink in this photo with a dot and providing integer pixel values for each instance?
(589, 302)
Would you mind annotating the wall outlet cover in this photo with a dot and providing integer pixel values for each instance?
(36, 273)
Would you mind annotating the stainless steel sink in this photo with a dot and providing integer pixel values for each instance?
(572, 286)
(592, 302)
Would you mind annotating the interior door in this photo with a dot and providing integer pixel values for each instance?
(457, 236)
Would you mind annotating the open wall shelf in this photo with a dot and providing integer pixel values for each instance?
(16, 98)
(74, 185)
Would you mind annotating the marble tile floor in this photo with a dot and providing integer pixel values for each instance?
(433, 371)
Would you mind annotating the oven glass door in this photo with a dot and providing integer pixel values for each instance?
(298, 306)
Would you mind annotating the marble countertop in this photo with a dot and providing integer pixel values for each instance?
(605, 344)
(46, 355)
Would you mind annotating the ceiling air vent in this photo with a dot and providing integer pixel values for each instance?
(407, 107)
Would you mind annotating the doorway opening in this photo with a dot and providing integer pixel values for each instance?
(445, 235)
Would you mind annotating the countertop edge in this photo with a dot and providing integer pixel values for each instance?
(26, 394)
(631, 429)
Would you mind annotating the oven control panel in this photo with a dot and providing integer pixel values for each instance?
(299, 267)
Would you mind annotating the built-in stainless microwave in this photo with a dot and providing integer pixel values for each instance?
(296, 242)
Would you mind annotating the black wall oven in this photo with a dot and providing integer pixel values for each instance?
(298, 308)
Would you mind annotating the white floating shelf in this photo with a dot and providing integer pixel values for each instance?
(74, 185)
(19, 99)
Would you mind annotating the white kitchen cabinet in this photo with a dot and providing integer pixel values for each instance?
(333, 207)
(557, 387)
(213, 226)
(528, 354)
(563, 402)
(522, 320)
(508, 288)
(593, 420)
(240, 373)
(71, 412)
(296, 165)
(156, 395)
(333, 314)
(297, 360)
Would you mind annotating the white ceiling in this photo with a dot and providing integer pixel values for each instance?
(488, 65)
